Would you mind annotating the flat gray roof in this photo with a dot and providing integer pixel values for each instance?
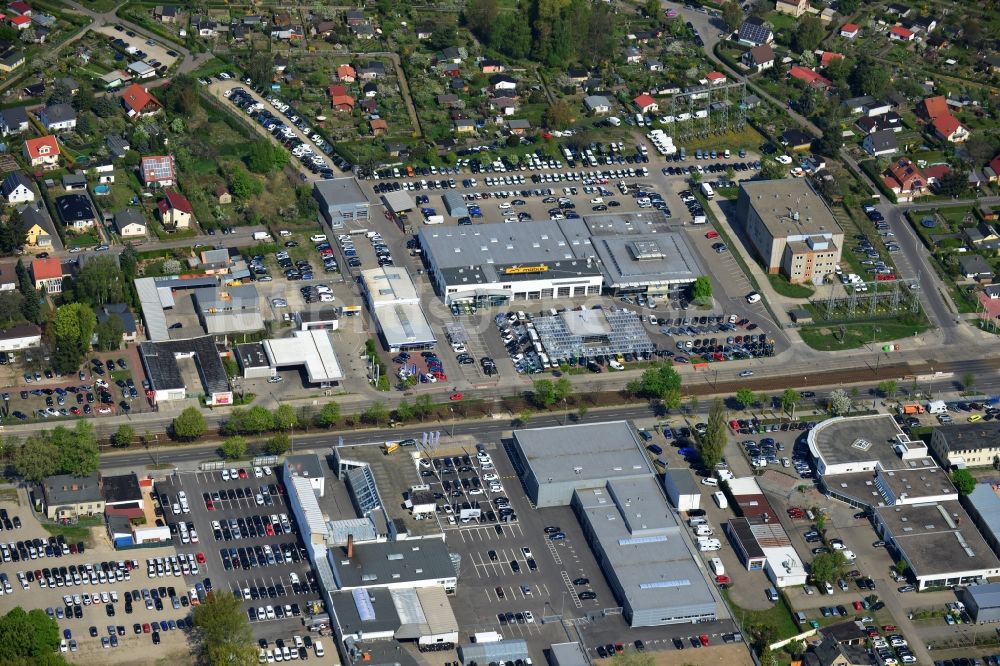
(396, 563)
(69, 489)
(160, 361)
(776, 200)
(251, 355)
(644, 547)
(986, 596)
(360, 611)
(971, 436)
(859, 439)
(341, 192)
(985, 501)
(306, 465)
(938, 538)
(925, 479)
(398, 202)
(684, 481)
(597, 451)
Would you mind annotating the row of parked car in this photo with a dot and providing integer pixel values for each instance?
(282, 132)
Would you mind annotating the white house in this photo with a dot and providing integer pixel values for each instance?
(16, 188)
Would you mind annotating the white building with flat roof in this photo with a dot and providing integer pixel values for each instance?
(395, 307)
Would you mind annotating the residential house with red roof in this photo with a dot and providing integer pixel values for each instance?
(20, 8)
(900, 34)
(158, 171)
(43, 152)
(935, 172)
(646, 104)
(48, 274)
(810, 77)
(850, 30)
(905, 180)
(342, 103)
(993, 170)
(20, 22)
(948, 128)
(175, 210)
(829, 56)
(333, 91)
(347, 74)
(794, 8)
(716, 78)
(138, 102)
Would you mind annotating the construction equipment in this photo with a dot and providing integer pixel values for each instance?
(390, 447)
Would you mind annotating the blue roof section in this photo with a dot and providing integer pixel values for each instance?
(986, 502)
(986, 596)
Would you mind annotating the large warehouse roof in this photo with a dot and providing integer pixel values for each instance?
(313, 349)
(638, 535)
(376, 564)
(577, 453)
(398, 202)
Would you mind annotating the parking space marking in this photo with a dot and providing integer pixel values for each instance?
(552, 549)
(572, 589)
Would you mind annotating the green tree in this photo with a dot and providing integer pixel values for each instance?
(953, 184)
(261, 157)
(869, 78)
(234, 448)
(11, 307)
(827, 567)
(260, 68)
(223, 631)
(808, 35)
(543, 393)
(732, 15)
(30, 307)
(79, 453)
(106, 107)
(189, 424)
(888, 388)
(124, 436)
(559, 115)
(771, 170)
(820, 522)
(480, 16)
(284, 418)
(329, 415)
(109, 333)
(839, 70)
(36, 459)
(29, 637)
(405, 411)
(712, 444)
(964, 481)
(789, 398)
(376, 413)
(251, 421)
(662, 383)
(279, 444)
(746, 397)
(230, 366)
(701, 290)
(71, 328)
(840, 402)
(847, 7)
(562, 388)
(652, 8)
(243, 185)
(511, 36)
(423, 406)
(969, 381)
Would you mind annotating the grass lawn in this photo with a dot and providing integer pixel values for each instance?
(86, 239)
(778, 616)
(957, 214)
(748, 138)
(74, 533)
(856, 334)
(789, 290)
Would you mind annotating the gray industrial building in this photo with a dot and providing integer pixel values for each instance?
(497, 652)
(644, 553)
(341, 200)
(982, 602)
(983, 505)
(454, 203)
(682, 489)
(558, 460)
(229, 309)
(568, 654)
(602, 471)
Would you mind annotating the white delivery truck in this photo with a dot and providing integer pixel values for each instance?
(707, 190)
(486, 637)
(720, 499)
(434, 219)
(937, 407)
(261, 236)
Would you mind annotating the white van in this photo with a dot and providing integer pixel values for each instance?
(318, 645)
(703, 531)
(695, 522)
(709, 482)
(717, 567)
(318, 238)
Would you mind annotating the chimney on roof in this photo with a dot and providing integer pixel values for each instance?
(350, 546)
